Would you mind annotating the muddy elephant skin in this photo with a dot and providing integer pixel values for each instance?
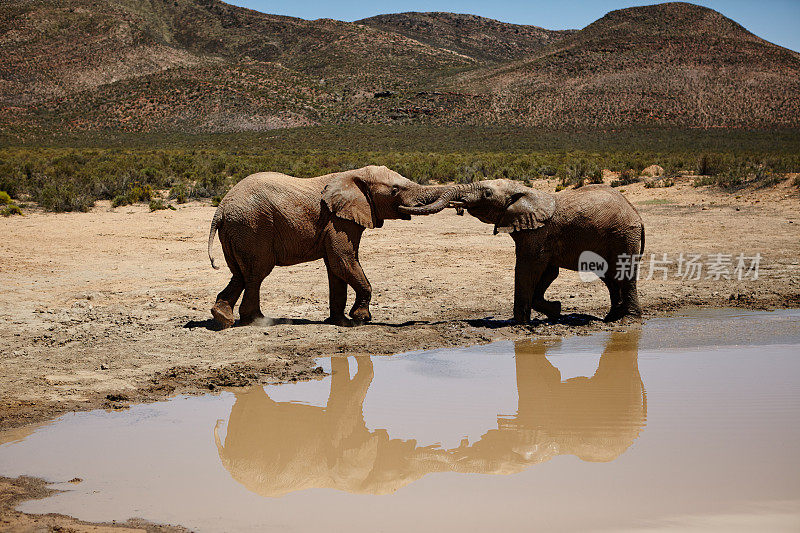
(553, 231)
(270, 219)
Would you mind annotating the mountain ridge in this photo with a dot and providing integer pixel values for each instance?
(471, 35)
(205, 66)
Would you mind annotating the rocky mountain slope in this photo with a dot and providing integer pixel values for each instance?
(675, 64)
(203, 65)
(470, 35)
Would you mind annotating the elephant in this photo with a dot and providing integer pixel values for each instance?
(275, 448)
(270, 219)
(553, 231)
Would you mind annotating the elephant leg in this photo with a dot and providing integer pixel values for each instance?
(251, 301)
(550, 308)
(354, 276)
(349, 270)
(615, 294)
(226, 300)
(630, 299)
(526, 277)
(338, 298)
(342, 260)
(223, 308)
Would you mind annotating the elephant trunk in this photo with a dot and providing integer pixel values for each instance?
(466, 194)
(433, 200)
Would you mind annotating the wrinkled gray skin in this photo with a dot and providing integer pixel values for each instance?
(270, 219)
(550, 231)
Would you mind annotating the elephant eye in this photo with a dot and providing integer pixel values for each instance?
(487, 193)
(395, 189)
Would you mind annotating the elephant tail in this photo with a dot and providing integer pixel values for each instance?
(641, 245)
(215, 223)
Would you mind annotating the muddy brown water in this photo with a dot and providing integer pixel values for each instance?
(689, 423)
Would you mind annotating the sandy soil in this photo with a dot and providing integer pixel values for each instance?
(110, 307)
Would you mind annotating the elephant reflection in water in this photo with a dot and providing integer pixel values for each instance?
(595, 419)
(274, 448)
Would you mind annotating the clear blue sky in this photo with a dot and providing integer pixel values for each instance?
(777, 21)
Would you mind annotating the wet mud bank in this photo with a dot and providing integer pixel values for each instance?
(295, 360)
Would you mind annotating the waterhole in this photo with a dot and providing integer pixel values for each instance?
(687, 423)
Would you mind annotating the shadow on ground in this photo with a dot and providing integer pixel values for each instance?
(572, 319)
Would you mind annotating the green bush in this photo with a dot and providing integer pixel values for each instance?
(180, 192)
(547, 170)
(576, 172)
(595, 176)
(713, 164)
(74, 177)
(626, 177)
(8, 206)
(11, 209)
(63, 197)
(158, 204)
(703, 181)
(731, 178)
(137, 193)
(120, 200)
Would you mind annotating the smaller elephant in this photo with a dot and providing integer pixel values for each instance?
(270, 219)
(552, 232)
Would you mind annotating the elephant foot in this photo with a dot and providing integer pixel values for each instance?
(616, 313)
(223, 314)
(550, 309)
(248, 320)
(341, 321)
(360, 316)
(521, 318)
(620, 313)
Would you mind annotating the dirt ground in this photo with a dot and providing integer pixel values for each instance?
(110, 307)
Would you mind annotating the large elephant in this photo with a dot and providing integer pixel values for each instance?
(270, 219)
(553, 231)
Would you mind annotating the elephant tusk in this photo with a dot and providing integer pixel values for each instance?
(458, 205)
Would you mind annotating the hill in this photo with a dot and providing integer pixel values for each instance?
(470, 35)
(206, 66)
(675, 64)
(196, 64)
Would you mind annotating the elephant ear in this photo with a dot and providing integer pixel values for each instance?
(347, 196)
(528, 210)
